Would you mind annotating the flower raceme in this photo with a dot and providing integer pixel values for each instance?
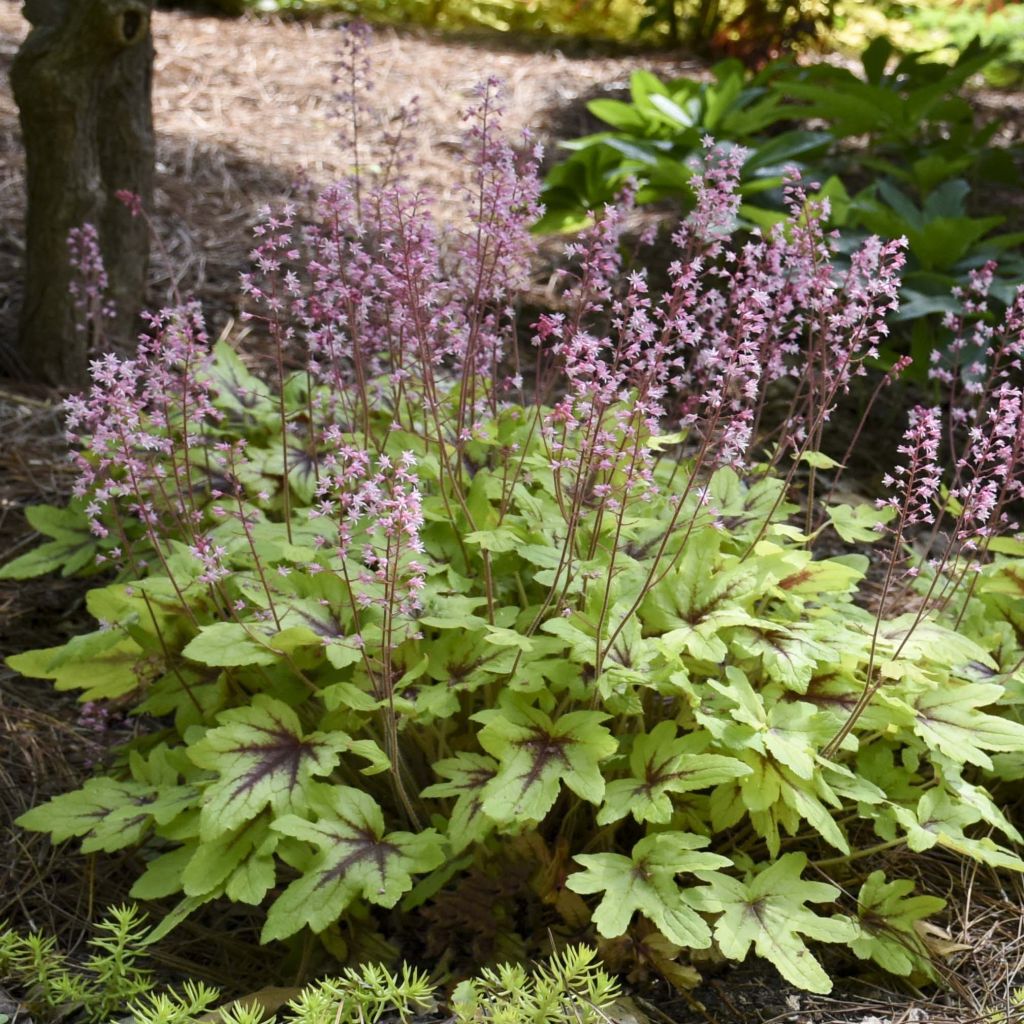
(89, 286)
(919, 478)
(446, 588)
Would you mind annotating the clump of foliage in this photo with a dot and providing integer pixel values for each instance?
(754, 31)
(653, 136)
(570, 988)
(949, 25)
(919, 130)
(607, 20)
(897, 153)
(447, 598)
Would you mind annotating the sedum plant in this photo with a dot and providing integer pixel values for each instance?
(570, 988)
(366, 993)
(452, 598)
(110, 976)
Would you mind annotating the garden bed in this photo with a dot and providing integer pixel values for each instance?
(242, 110)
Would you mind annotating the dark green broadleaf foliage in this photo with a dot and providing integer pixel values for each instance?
(896, 151)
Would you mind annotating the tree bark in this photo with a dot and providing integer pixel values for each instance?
(83, 84)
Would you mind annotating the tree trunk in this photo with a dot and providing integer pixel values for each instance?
(83, 84)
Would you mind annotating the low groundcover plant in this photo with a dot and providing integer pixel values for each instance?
(570, 988)
(449, 599)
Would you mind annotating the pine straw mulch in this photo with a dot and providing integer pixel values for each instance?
(243, 114)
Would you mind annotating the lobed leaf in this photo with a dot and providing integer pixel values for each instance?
(260, 758)
(887, 916)
(662, 765)
(468, 776)
(536, 755)
(645, 883)
(769, 912)
(355, 859)
(72, 547)
(108, 814)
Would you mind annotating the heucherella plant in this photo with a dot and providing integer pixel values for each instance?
(445, 598)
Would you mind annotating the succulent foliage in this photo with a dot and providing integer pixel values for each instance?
(569, 988)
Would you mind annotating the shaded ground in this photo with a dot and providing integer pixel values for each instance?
(243, 114)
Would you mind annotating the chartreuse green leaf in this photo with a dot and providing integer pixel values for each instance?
(162, 876)
(975, 796)
(827, 576)
(924, 642)
(302, 465)
(104, 664)
(238, 392)
(819, 460)
(108, 814)
(645, 883)
(261, 758)
(743, 507)
(662, 764)
(777, 800)
(949, 719)
(72, 547)
(778, 739)
(617, 114)
(468, 776)
(693, 604)
(788, 654)
(788, 731)
(940, 820)
(192, 694)
(356, 858)
(536, 755)
(232, 644)
(150, 612)
(860, 524)
(887, 913)
(239, 863)
(255, 876)
(769, 912)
